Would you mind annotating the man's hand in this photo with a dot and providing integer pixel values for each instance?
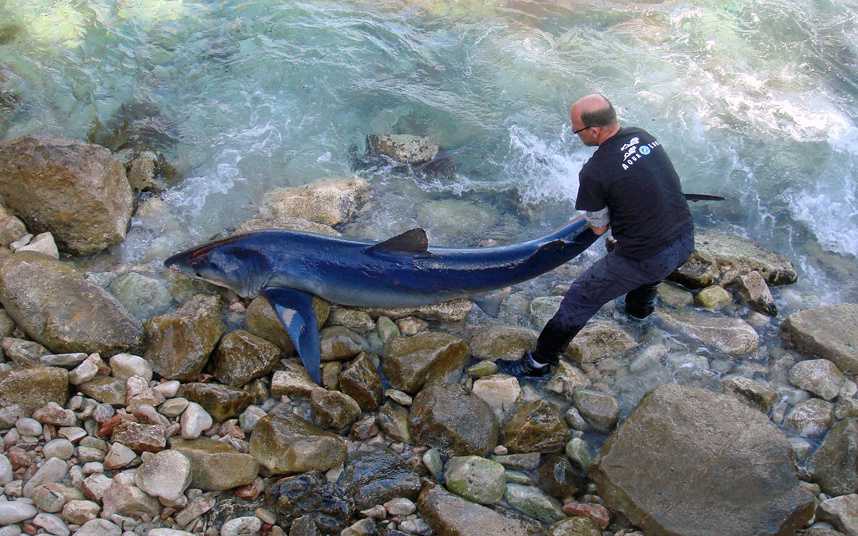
(599, 230)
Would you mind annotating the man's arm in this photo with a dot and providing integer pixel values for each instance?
(599, 220)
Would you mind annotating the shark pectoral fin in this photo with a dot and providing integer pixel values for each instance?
(294, 309)
(411, 241)
(490, 302)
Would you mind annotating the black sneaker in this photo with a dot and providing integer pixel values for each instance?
(525, 368)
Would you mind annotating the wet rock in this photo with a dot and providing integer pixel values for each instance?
(567, 379)
(32, 388)
(599, 340)
(393, 421)
(375, 476)
(754, 394)
(543, 308)
(60, 309)
(282, 221)
(449, 219)
(834, 465)
(499, 391)
(755, 292)
(386, 329)
(601, 410)
(165, 475)
(262, 321)
(476, 479)
(11, 227)
(559, 478)
(333, 409)
(410, 362)
(241, 357)
(692, 430)
(411, 325)
(535, 426)
(810, 417)
(448, 312)
(533, 502)
(451, 515)
(818, 376)
(721, 258)
(105, 389)
(361, 381)
(330, 201)
(502, 342)
(42, 177)
(179, 344)
(216, 466)
(220, 401)
(446, 417)
(829, 332)
(140, 437)
(293, 445)
(575, 526)
(732, 336)
(353, 319)
(340, 343)
(403, 148)
(309, 496)
(713, 297)
(842, 512)
(293, 380)
(482, 369)
(674, 296)
(142, 296)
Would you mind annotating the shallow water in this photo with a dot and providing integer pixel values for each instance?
(754, 100)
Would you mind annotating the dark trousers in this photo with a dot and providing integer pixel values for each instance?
(610, 277)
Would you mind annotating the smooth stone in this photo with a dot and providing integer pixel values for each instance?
(476, 479)
(142, 296)
(535, 426)
(57, 448)
(179, 344)
(386, 328)
(166, 475)
(124, 366)
(99, 527)
(293, 445)
(173, 407)
(502, 342)
(482, 369)
(118, 456)
(51, 524)
(215, 465)
(579, 526)
(7, 474)
(500, 392)
(818, 376)
(732, 336)
(534, 502)
(53, 470)
(194, 421)
(598, 340)
(448, 514)
(829, 332)
(713, 297)
(692, 430)
(411, 362)
(810, 418)
(599, 409)
(674, 296)
(446, 417)
(15, 512)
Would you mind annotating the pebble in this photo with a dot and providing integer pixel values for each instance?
(166, 475)
(51, 524)
(10, 530)
(400, 507)
(79, 512)
(415, 526)
(401, 398)
(168, 388)
(92, 468)
(15, 512)
(48, 500)
(53, 470)
(6, 472)
(103, 413)
(99, 527)
(195, 420)
(27, 426)
(125, 366)
(241, 526)
(173, 407)
(266, 516)
(83, 372)
(118, 456)
(168, 532)
(72, 433)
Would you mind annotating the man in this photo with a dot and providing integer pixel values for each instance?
(628, 185)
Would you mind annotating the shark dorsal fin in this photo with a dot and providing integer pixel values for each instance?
(411, 241)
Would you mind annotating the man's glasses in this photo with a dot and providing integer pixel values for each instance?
(581, 130)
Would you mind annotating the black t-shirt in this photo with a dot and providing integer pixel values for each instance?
(633, 177)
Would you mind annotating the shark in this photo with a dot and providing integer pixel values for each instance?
(288, 268)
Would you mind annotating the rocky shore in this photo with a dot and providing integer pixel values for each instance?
(138, 402)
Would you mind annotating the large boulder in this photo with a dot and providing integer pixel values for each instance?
(33, 388)
(829, 332)
(292, 445)
(671, 442)
(75, 190)
(179, 344)
(329, 201)
(449, 515)
(599, 340)
(732, 336)
(404, 148)
(57, 307)
(834, 465)
(446, 417)
(721, 259)
(409, 362)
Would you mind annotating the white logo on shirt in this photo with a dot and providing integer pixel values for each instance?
(629, 153)
(632, 142)
(636, 153)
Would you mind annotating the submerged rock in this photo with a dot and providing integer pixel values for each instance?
(179, 344)
(446, 417)
(818, 376)
(834, 465)
(42, 177)
(732, 336)
(141, 295)
(502, 342)
(329, 201)
(403, 148)
(829, 332)
(755, 490)
(448, 514)
(377, 476)
(721, 258)
(409, 362)
(449, 311)
(535, 426)
(754, 291)
(599, 340)
(57, 307)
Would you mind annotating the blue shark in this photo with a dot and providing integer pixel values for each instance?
(288, 268)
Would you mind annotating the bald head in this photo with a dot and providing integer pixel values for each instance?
(594, 119)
